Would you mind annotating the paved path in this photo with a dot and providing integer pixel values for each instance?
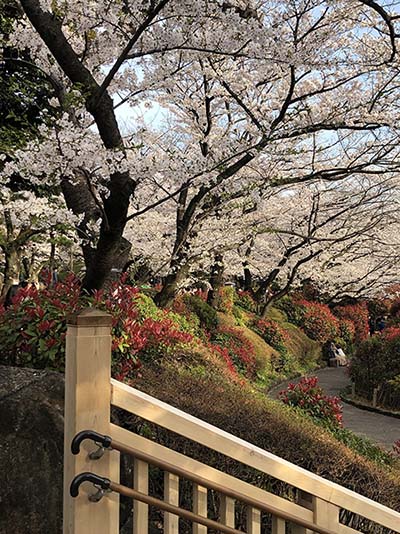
(381, 429)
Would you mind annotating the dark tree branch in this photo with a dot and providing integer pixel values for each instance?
(388, 21)
(125, 53)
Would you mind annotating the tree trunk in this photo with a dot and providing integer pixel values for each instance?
(99, 104)
(80, 201)
(109, 258)
(12, 268)
(216, 279)
(248, 279)
(273, 298)
(265, 285)
(170, 287)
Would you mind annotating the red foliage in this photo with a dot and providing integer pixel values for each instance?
(272, 333)
(240, 349)
(224, 353)
(310, 397)
(37, 332)
(163, 332)
(358, 315)
(318, 321)
(391, 332)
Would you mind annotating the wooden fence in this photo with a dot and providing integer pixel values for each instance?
(90, 393)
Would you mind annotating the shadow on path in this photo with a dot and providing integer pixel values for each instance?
(381, 429)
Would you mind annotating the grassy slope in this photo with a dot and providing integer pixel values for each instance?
(199, 384)
(263, 352)
(304, 349)
(239, 409)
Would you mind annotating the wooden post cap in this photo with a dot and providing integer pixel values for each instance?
(90, 317)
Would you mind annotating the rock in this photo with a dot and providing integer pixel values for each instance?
(31, 451)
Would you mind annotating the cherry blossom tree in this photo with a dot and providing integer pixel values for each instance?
(255, 95)
(343, 237)
(28, 225)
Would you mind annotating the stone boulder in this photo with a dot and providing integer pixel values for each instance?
(31, 451)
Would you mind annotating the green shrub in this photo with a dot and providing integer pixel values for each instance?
(294, 312)
(207, 315)
(245, 300)
(376, 362)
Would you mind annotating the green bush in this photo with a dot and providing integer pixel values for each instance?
(207, 315)
(245, 300)
(375, 362)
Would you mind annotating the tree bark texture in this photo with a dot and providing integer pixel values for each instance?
(121, 185)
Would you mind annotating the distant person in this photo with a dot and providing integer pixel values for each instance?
(380, 324)
(337, 357)
(341, 356)
(371, 324)
(332, 350)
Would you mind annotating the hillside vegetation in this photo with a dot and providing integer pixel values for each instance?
(215, 364)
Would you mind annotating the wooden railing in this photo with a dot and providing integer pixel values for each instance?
(90, 393)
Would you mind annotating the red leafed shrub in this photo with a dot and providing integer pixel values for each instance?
(32, 330)
(358, 315)
(391, 332)
(240, 349)
(318, 321)
(272, 333)
(225, 299)
(225, 355)
(246, 301)
(310, 397)
(163, 334)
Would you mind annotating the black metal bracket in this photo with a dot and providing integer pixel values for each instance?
(103, 442)
(102, 484)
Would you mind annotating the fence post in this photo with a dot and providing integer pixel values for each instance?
(87, 406)
(375, 397)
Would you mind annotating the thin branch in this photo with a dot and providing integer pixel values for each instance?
(125, 53)
(388, 21)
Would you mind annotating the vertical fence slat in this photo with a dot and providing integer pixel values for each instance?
(278, 525)
(114, 497)
(171, 495)
(199, 507)
(87, 406)
(307, 501)
(140, 509)
(326, 514)
(253, 520)
(227, 511)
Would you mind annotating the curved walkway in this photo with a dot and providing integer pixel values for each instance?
(382, 429)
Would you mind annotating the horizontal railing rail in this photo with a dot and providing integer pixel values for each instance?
(211, 479)
(188, 426)
(89, 394)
